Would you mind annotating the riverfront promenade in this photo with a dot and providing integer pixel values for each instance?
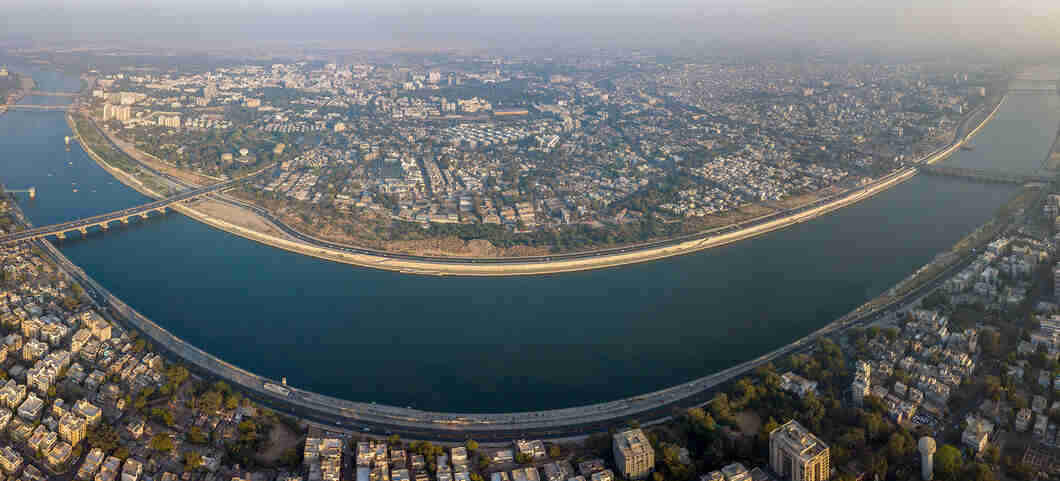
(440, 425)
(454, 426)
(302, 243)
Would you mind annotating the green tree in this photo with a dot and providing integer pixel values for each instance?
(103, 437)
(471, 445)
(195, 435)
(161, 442)
(948, 463)
(232, 401)
(292, 457)
(210, 402)
(163, 416)
(192, 461)
(979, 472)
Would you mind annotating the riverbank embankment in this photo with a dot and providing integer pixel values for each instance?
(245, 223)
(1052, 159)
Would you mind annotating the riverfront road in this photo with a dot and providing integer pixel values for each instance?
(124, 215)
(456, 426)
(306, 244)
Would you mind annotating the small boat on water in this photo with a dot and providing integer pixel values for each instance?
(75, 190)
(967, 146)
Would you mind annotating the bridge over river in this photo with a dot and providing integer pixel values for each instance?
(52, 94)
(1034, 86)
(986, 175)
(103, 220)
(39, 107)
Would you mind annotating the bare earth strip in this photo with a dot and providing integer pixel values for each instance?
(246, 224)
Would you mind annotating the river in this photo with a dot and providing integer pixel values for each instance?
(502, 344)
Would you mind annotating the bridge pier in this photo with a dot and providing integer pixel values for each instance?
(125, 215)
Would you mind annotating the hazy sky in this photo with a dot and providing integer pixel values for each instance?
(998, 25)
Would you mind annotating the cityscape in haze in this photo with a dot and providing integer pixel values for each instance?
(604, 240)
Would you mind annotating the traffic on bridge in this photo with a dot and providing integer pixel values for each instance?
(104, 220)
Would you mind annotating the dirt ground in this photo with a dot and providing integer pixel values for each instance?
(236, 216)
(749, 423)
(281, 438)
(798, 200)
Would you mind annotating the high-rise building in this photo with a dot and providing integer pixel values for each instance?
(927, 454)
(862, 383)
(169, 120)
(209, 92)
(634, 455)
(798, 455)
(1056, 280)
(117, 112)
(73, 428)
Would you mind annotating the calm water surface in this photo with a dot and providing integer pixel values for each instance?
(466, 344)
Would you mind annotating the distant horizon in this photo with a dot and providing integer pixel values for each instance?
(903, 27)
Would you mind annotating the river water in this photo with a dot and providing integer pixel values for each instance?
(508, 344)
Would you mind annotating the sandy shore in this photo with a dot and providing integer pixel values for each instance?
(246, 224)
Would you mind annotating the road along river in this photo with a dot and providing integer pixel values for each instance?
(491, 344)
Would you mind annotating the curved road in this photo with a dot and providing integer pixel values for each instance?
(454, 426)
(967, 128)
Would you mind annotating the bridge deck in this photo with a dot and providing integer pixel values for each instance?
(986, 174)
(103, 220)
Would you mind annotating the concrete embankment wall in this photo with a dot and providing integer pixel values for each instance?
(536, 268)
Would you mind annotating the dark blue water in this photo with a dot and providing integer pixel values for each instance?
(1018, 141)
(467, 344)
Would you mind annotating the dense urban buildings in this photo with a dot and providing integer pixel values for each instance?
(540, 155)
(427, 155)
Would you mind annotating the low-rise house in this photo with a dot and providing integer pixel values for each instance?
(132, 470)
(1041, 424)
(605, 475)
(797, 384)
(60, 453)
(31, 408)
(553, 473)
(92, 462)
(736, 472)
(503, 456)
(89, 411)
(109, 470)
(1038, 404)
(1023, 419)
(590, 466)
(976, 434)
(534, 449)
(10, 460)
(12, 394)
